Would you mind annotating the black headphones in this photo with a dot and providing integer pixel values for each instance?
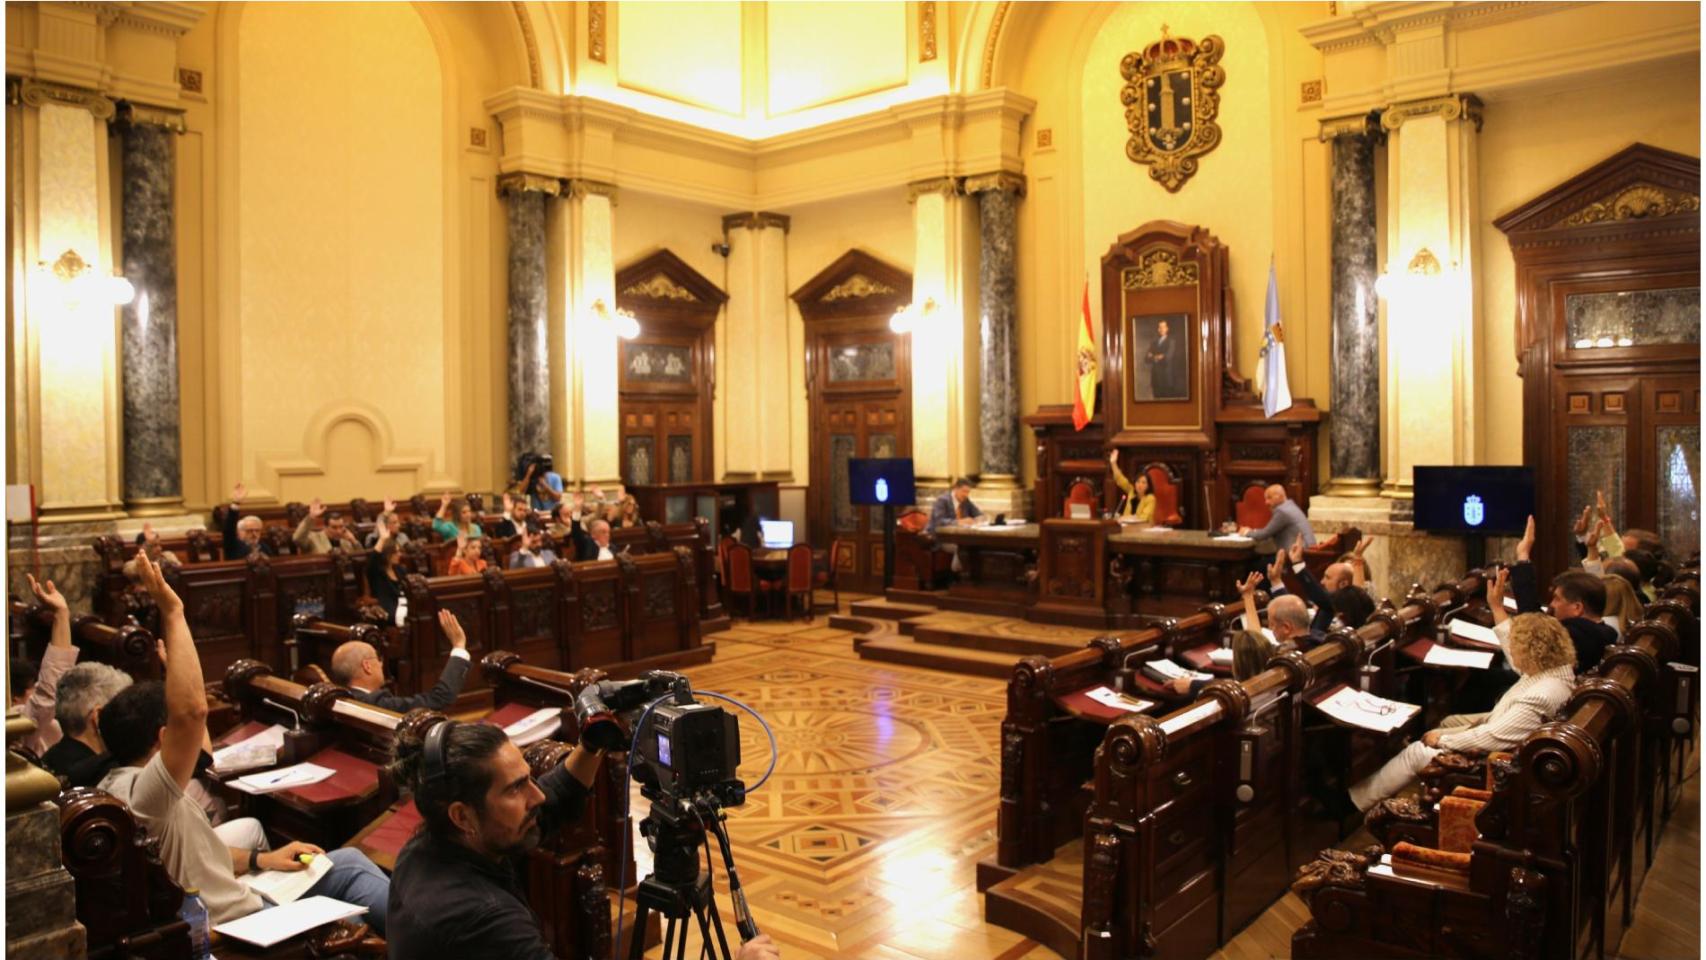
(433, 752)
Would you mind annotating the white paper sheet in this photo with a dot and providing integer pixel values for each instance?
(264, 928)
(1475, 633)
(288, 886)
(1119, 701)
(535, 727)
(284, 778)
(1168, 670)
(1447, 657)
(1220, 655)
(260, 750)
(1510, 604)
(1366, 710)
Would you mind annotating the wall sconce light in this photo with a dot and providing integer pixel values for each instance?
(626, 325)
(909, 316)
(1424, 277)
(74, 279)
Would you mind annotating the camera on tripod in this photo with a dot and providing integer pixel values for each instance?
(687, 752)
(685, 755)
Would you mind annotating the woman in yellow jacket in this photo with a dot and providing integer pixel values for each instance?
(1139, 503)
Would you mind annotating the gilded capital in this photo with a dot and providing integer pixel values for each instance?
(1454, 107)
(581, 189)
(520, 182)
(37, 93)
(946, 186)
(756, 220)
(1358, 125)
(141, 114)
(999, 180)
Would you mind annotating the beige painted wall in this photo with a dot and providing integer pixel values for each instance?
(1530, 144)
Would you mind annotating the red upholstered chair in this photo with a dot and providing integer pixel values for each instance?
(1081, 491)
(913, 519)
(1165, 485)
(741, 582)
(840, 558)
(799, 582)
(1251, 509)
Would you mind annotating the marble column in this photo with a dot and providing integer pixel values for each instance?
(1354, 427)
(526, 196)
(998, 197)
(153, 467)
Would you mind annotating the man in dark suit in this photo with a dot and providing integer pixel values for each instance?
(243, 536)
(358, 666)
(592, 540)
(1166, 364)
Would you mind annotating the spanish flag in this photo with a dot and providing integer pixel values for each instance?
(1089, 369)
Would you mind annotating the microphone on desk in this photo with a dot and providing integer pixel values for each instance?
(295, 718)
(1367, 673)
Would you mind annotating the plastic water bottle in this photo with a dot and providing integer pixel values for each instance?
(401, 617)
(194, 913)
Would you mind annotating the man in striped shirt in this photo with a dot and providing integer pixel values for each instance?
(1539, 648)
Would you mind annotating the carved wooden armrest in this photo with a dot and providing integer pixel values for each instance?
(346, 938)
(1401, 818)
(1449, 769)
(1335, 868)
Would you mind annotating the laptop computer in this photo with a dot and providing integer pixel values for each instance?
(776, 534)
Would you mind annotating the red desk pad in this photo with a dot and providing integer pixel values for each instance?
(385, 840)
(1197, 659)
(355, 778)
(1079, 704)
(504, 716)
(243, 732)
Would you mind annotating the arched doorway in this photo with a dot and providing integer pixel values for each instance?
(668, 371)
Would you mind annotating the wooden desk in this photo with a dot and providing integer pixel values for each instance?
(1092, 573)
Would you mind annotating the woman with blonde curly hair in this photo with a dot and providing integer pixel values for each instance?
(1539, 649)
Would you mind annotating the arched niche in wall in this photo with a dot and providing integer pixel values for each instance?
(668, 371)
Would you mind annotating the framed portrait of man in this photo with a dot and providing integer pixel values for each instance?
(1161, 357)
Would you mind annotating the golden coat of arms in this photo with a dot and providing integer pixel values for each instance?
(1170, 105)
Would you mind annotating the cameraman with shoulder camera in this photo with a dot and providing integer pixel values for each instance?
(456, 893)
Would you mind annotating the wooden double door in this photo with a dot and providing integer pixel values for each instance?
(859, 377)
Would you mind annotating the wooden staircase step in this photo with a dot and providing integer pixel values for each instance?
(1043, 901)
(888, 609)
(961, 660)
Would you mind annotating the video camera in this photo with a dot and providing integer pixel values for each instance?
(688, 751)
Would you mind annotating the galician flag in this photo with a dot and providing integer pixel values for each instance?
(1276, 392)
(1089, 369)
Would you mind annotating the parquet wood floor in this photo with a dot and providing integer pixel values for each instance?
(864, 842)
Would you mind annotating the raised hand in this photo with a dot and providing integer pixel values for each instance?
(1496, 591)
(1248, 585)
(1114, 457)
(1599, 501)
(444, 499)
(1582, 522)
(316, 509)
(509, 504)
(452, 628)
(390, 505)
(238, 492)
(1296, 551)
(155, 582)
(1276, 570)
(1525, 546)
(48, 594)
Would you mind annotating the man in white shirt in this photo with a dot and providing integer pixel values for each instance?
(155, 733)
(1540, 650)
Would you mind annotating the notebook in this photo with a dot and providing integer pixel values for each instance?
(264, 928)
(288, 886)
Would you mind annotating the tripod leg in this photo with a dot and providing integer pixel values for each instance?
(681, 944)
(637, 936)
(716, 923)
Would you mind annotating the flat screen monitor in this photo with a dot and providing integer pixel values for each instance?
(879, 481)
(776, 534)
(1489, 500)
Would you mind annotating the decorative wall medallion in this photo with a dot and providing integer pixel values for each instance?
(660, 287)
(926, 31)
(595, 30)
(1158, 268)
(856, 287)
(1171, 104)
(1637, 202)
(189, 81)
(1311, 91)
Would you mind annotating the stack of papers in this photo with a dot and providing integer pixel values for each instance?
(1119, 701)
(284, 778)
(264, 928)
(1365, 710)
(260, 750)
(1166, 670)
(535, 727)
(288, 886)
(1221, 656)
(1475, 633)
(1510, 604)
(1439, 656)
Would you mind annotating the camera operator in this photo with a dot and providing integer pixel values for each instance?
(456, 892)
